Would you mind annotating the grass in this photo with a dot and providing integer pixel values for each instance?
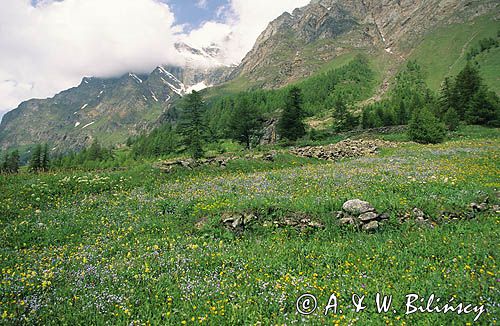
(489, 63)
(122, 247)
(442, 52)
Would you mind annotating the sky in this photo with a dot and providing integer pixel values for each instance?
(47, 46)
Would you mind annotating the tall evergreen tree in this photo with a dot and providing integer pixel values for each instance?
(192, 127)
(44, 159)
(344, 120)
(468, 82)
(13, 162)
(244, 123)
(291, 125)
(484, 108)
(94, 152)
(4, 162)
(35, 161)
(451, 119)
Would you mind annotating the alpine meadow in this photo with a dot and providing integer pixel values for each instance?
(343, 170)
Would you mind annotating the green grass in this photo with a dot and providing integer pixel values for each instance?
(489, 63)
(121, 247)
(443, 51)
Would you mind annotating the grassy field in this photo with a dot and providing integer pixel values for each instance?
(124, 247)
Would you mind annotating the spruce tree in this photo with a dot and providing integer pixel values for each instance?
(192, 127)
(4, 163)
(13, 162)
(291, 125)
(451, 119)
(244, 123)
(484, 108)
(401, 114)
(35, 161)
(467, 84)
(44, 159)
(344, 120)
(425, 128)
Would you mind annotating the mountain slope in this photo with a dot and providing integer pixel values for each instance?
(322, 35)
(296, 45)
(109, 110)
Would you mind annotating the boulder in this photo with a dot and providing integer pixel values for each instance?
(372, 226)
(357, 207)
(368, 217)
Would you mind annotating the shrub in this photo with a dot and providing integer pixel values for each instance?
(425, 128)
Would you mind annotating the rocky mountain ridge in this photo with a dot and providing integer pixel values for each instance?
(297, 44)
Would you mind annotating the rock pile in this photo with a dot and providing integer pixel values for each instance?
(220, 161)
(238, 221)
(344, 149)
(361, 214)
(169, 166)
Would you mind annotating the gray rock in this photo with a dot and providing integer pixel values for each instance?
(347, 220)
(367, 217)
(418, 214)
(384, 216)
(357, 207)
(373, 225)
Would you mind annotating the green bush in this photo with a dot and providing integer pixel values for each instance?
(425, 128)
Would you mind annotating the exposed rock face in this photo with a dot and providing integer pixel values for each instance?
(344, 149)
(294, 45)
(270, 133)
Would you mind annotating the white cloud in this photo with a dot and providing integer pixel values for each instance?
(202, 4)
(244, 22)
(50, 47)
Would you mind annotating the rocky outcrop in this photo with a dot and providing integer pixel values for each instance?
(344, 149)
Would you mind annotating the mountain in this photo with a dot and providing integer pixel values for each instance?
(323, 35)
(298, 44)
(109, 110)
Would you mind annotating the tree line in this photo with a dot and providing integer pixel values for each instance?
(463, 99)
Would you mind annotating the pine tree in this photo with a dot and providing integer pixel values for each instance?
(484, 108)
(344, 120)
(451, 119)
(94, 152)
(4, 163)
(13, 162)
(401, 114)
(35, 161)
(291, 125)
(44, 159)
(425, 128)
(244, 123)
(192, 127)
(467, 84)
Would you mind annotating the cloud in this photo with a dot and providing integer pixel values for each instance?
(202, 4)
(243, 23)
(49, 47)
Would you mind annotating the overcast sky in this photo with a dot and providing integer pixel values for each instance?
(47, 46)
